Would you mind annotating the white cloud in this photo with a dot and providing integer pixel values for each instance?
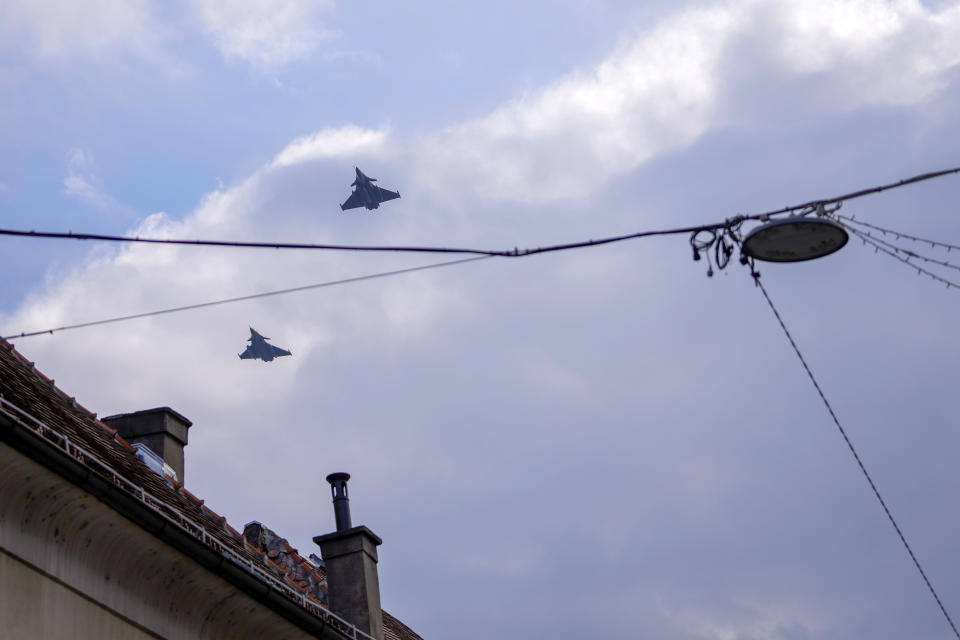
(650, 96)
(81, 181)
(263, 32)
(266, 34)
(53, 30)
(345, 142)
(665, 88)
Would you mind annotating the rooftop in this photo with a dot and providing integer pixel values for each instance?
(35, 403)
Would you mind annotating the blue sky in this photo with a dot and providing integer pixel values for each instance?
(601, 443)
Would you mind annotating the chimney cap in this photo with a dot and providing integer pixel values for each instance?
(161, 429)
(144, 412)
(338, 476)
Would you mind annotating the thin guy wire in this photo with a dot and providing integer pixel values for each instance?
(856, 456)
(911, 254)
(900, 234)
(514, 253)
(265, 294)
(919, 269)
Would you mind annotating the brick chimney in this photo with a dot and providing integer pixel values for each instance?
(162, 430)
(350, 554)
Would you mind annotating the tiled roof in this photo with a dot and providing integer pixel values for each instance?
(301, 572)
(35, 395)
(393, 629)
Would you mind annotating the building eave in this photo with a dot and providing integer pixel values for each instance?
(52, 451)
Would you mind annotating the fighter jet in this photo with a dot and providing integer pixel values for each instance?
(260, 348)
(367, 194)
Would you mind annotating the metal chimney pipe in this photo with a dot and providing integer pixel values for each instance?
(341, 501)
(350, 556)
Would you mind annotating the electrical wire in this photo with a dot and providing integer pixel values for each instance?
(718, 231)
(920, 270)
(509, 253)
(870, 191)
(856, 456)
(728, 227)
(900, 234)
(237, 244)
(910, 255)
(264, 294)
(514, 253)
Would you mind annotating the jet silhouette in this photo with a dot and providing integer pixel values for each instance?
(259, 348)
(366, 194)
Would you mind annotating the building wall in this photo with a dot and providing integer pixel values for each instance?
(73, 562)
(34, 606)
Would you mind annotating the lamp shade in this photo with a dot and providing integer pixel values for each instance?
(795, 239)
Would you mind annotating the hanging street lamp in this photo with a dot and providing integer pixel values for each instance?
(795, 239)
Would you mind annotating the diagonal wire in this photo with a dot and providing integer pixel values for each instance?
(900, 234)
(856, 456)
(264, 294)
(871, 241)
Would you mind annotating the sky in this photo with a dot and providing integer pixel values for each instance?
(601, 443)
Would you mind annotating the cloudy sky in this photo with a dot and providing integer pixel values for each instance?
(603, 443)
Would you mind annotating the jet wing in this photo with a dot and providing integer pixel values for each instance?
(249, 354)
(277, 351)
(385, 194)
(353, 201)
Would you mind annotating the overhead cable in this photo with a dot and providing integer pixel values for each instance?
(264, 294)
(722, 236)
(234, 243)
(856, 456)
(509, 253)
